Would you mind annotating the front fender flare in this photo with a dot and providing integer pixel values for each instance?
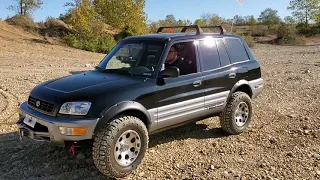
(118, 109)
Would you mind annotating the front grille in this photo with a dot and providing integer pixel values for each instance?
(44, 106)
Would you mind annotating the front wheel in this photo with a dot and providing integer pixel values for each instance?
(120, 146)
(236, 116)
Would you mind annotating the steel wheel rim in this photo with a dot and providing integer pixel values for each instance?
(127, 148)
(242, 114)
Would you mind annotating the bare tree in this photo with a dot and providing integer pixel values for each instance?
(25, 7)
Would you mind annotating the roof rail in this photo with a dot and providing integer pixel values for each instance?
(197, 27)
(185, 28)
(222, 30)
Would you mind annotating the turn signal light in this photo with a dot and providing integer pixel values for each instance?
(73, 131)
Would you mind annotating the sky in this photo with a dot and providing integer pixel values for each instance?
(181, 9)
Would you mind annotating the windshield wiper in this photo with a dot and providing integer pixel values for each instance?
(121, 71)
(98, 68)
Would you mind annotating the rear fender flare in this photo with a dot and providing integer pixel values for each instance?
(237, 85)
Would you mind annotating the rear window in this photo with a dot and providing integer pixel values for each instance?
(209, 54)
(236, 50)
(224, 58)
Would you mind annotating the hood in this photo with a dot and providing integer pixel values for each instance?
(91, 80)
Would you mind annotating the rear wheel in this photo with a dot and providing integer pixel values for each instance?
(236, 116)
(120, 146)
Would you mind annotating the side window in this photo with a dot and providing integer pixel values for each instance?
(236, 49)
(209, 54)
(224, 58)
(183, 56)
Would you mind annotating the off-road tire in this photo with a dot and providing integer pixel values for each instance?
(104, 144)
(227, 117)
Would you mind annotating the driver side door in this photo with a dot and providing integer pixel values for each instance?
(181, 99)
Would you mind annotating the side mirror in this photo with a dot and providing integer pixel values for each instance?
(170, 72)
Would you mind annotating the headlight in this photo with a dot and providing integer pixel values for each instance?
(75, 108)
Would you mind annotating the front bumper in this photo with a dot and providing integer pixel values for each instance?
(47, 127)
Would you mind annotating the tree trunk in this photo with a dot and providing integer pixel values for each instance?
(21, 7)
(307, 22)
(25, 8)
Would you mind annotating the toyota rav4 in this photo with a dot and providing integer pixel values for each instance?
(126, 98)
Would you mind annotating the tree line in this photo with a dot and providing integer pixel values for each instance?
(90, 18)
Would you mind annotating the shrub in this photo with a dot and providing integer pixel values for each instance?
(249, 40)
(259, 30)
(72, 41)
(101, 45)
(308, 31)
(106, 44)
(287, 35)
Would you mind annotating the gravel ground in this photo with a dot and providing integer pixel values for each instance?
(282, 143)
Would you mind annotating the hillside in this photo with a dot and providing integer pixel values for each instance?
(283, 141)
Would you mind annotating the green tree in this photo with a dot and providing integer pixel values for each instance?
(200, 22)
(211, 19)
(153, 27)
(121, 14)
(289, 20)
(239, 20)
(88, 31)
(252, 21)
(269, 17)
(25, 7)
(305, 10)
(170, 19)
(181, 22)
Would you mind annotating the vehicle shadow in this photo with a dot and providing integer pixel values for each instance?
(189, 131)
(29, 159)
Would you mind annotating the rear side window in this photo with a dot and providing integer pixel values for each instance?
(236, 50)
(224, 58)
(209, 54)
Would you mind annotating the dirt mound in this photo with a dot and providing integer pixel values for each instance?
(14, 33)
(55, 28)
(23, 21)
(57, 24)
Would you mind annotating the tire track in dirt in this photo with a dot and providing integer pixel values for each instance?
(10, 107)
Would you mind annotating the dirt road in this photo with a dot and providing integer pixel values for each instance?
(283, 141)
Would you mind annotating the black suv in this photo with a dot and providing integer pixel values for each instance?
(125, 99)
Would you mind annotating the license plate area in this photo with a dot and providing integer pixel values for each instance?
(30, 121)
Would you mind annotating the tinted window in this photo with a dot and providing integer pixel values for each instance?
(224, 58)
(236, 49)
(209, 54)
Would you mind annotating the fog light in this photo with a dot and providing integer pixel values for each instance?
(72, 131)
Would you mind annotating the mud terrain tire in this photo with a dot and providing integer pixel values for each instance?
(236, 116)
(108, 141)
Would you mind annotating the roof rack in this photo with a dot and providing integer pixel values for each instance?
(197, 27)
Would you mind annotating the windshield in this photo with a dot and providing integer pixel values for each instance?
(139, 58)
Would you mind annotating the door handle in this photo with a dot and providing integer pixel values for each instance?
(197, 83)
(232, 75)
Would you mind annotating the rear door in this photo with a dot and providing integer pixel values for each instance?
(218, 74)
(238, 56)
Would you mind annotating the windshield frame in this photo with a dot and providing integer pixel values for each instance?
(104, 62)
